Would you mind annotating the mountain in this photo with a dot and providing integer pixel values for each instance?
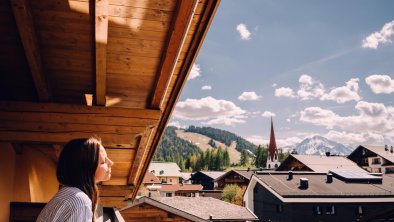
(318, 145)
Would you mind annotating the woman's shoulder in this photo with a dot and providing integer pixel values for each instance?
(74, 196)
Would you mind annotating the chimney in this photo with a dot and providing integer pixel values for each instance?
(329, 178)
(391, 149)
(248, 169)
(290, 177)
(210, 217)
(386, 148)
(328, 153)
(304, 183)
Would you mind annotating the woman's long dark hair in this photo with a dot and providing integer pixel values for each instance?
(77, 166)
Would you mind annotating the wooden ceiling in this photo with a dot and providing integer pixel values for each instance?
(110, 68)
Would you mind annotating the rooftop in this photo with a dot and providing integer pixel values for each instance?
(380, 150)
(180, 187)
(199, 207)
(213, 174)
(318, 187)
(165, 169)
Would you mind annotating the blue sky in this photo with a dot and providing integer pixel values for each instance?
(318, 67)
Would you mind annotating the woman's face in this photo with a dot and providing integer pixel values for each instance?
(103, 171)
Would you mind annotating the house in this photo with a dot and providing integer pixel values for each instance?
(184, 209)
(340, 195)
(316, 163)
(185, 178)
(75, 69)
(150, 185)
(185, 190)
(166, 172)
(239, 177)
(206, 179)
(374, 159)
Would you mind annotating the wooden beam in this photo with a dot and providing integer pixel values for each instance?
(101, 39)
(58, 123)
(27, 33)
(140, 158)
(206, 19)
(177, 35)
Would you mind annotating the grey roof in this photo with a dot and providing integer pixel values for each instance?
(186, 176)
(319, 188)
(323, 164)
(167, 169)
(201, 207)
(245, 173)
(379, 150)
(213, 174)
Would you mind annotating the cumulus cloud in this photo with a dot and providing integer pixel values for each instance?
(381, 37)
(195, 72)
(372, 119)
(177, 124)
(243, 31)
(355, 139)
(268, 114)
(210, 110)
(249, 96)
(284, 92)
(344, 93)
(206, 87)
(309, 88)
(259, 140)
(380, 83)
(274, 85)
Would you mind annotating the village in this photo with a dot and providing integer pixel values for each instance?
(357, 187)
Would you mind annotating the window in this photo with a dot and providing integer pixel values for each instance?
(330, 210)
(279, 208)
(170, 180)
(168, 194)
(376, 161)
(359, 210)
(317, 210)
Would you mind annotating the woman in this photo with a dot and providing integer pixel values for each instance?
(82, 164)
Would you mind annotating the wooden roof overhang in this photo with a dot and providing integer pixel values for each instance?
(110, 68)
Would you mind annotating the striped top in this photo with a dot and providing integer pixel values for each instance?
(69, 204)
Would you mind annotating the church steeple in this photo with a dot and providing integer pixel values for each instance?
(272, 158)
(272, 149)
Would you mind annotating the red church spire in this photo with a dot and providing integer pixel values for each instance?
(272, 150)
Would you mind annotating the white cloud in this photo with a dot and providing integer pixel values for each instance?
(309, 88)
(249, 96)
(284, 92)
(288, 120)
(344, 93)
(210, 110)
(355, 139)
(243, 31)
(177, 124)
(380, 83)
(206, 87)
(381, 37)
(268, 114)
(274, 85)
(195, 72)
(259, 140)
(372, 119)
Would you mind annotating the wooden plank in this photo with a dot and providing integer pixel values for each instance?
(138, 24)
(24, 21)
(47, 108)
(113, 191)
(177, 35)
(118, 202)
(101, 39)
(137, 13)
(140, 157)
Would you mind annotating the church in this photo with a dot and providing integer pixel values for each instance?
(272, 157)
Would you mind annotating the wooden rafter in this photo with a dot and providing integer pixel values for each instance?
(27, 33)
(58, 123)
(140, 157)
(101, 39)
(178, 32)
(198, 38)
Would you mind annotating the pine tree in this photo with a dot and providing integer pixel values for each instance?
(226, 158)
(244, 158)
(219, 159)
(207, 159)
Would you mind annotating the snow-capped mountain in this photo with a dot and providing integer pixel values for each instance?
(318, 145)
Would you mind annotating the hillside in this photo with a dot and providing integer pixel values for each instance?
(202, 142)
(224, 136)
